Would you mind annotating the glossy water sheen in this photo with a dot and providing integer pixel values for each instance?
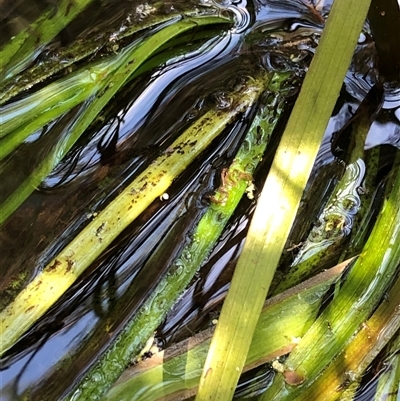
(144, 119)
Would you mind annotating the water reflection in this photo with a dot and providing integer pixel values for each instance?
(148, 116)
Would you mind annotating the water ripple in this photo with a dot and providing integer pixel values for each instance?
(237, 8)
(242, 18)
(337, 219)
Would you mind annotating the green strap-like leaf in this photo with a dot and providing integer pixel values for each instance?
(128, 62)
(21, 50)
(364, 287)
(69, 264)
(283, 320)
(279, 200)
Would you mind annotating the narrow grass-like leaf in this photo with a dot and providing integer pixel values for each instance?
(384, 22)
(335, 222)
(365, 285)
(69, 264)
(130, 341)
(24, 117)
(22, 49)
(176, 372)
(131, 59)
(235, 182)
(279, 200)
(388, 388)
(79, 50)
(351, 364)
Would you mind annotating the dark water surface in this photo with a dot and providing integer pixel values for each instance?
(144, 118)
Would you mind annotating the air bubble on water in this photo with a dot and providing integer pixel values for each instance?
(178, 265)
(362, 38)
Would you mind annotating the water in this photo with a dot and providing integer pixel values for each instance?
(144, 119)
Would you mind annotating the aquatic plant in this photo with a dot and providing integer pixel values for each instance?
(59, 106)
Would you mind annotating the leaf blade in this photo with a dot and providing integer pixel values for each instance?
(271, 225)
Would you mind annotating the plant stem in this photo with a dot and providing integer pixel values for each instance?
(362, 223)
(23, 117)
(334, 224)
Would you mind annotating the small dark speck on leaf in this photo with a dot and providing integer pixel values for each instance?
(54, 265)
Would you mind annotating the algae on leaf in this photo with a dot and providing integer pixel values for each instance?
(279, 201)
(138, 66)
